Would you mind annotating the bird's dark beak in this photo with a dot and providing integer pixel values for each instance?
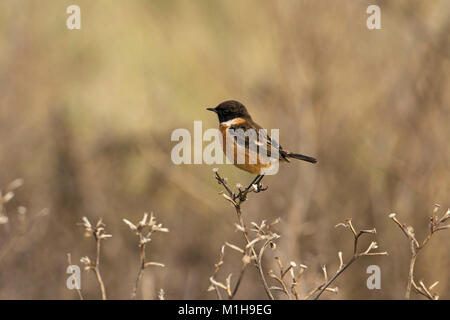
(212, 109)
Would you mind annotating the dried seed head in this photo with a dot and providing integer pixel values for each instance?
(162, 294)
(436, 207)
(291, 270)
(105, 236)
(87, 224)
(156, 264)
(410, 230)
(246, 259)
(341, 262)
(341, 224)
(232, 246)
(86, 261)
(239, 227)
(144, 220)
(8, 196)
(15, 184)
(334, 290)
(128, 223)
(433, 285)
(160, 228)
(3, 218)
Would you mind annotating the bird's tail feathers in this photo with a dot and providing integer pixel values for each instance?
(299, 157)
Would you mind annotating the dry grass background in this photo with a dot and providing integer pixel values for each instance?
(86, 118)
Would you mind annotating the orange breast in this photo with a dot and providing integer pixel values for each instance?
(234, 148)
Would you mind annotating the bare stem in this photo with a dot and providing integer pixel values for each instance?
(144, 229)
(97, 269)
(236, 200)
(436, 224)
(338, 273)
(236, 287)
(355, 256)
(411, 275)
(139, 275)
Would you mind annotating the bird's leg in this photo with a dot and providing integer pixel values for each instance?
(257, 181)
(242, 193)
(259, 186)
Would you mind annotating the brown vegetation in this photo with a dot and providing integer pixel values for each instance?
(86, 118)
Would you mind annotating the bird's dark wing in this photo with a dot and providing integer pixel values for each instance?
(252, 136)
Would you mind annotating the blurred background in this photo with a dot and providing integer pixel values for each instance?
(86, 118)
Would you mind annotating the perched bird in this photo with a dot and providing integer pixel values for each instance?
(235, 121)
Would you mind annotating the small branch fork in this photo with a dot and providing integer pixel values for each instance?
(215, 285)
(436, 224)
(343, 266)
(290, 290)
(240, 196)
(98, 232)
(263, 234)
(144, 230)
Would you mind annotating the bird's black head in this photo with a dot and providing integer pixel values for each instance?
(229, 110)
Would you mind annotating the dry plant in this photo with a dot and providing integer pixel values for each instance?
(6, 196)
(263, 233)
(266, 237)
(356, 255)
(436, 224)
(289, 287)
(250, 253)
(144, 230)
(25, 223)
(98, 232)
(295, 272)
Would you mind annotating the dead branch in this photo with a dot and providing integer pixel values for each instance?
(356, 255)
(436, 224)
(236, 199)
(144, 230)
(98, 232)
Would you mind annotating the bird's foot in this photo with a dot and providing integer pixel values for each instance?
(256, 187)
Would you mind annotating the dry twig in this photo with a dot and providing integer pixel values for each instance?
(342, 266)
(436, 224)
(98, 232)
(26, 222)
(144, 230)
(262, 234)
(296, 272)
(266, 237)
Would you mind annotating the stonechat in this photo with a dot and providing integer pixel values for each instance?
(235, 123)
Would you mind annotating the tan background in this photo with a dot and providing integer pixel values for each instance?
(86, 118)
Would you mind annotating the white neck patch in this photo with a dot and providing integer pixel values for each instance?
(228, 123)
